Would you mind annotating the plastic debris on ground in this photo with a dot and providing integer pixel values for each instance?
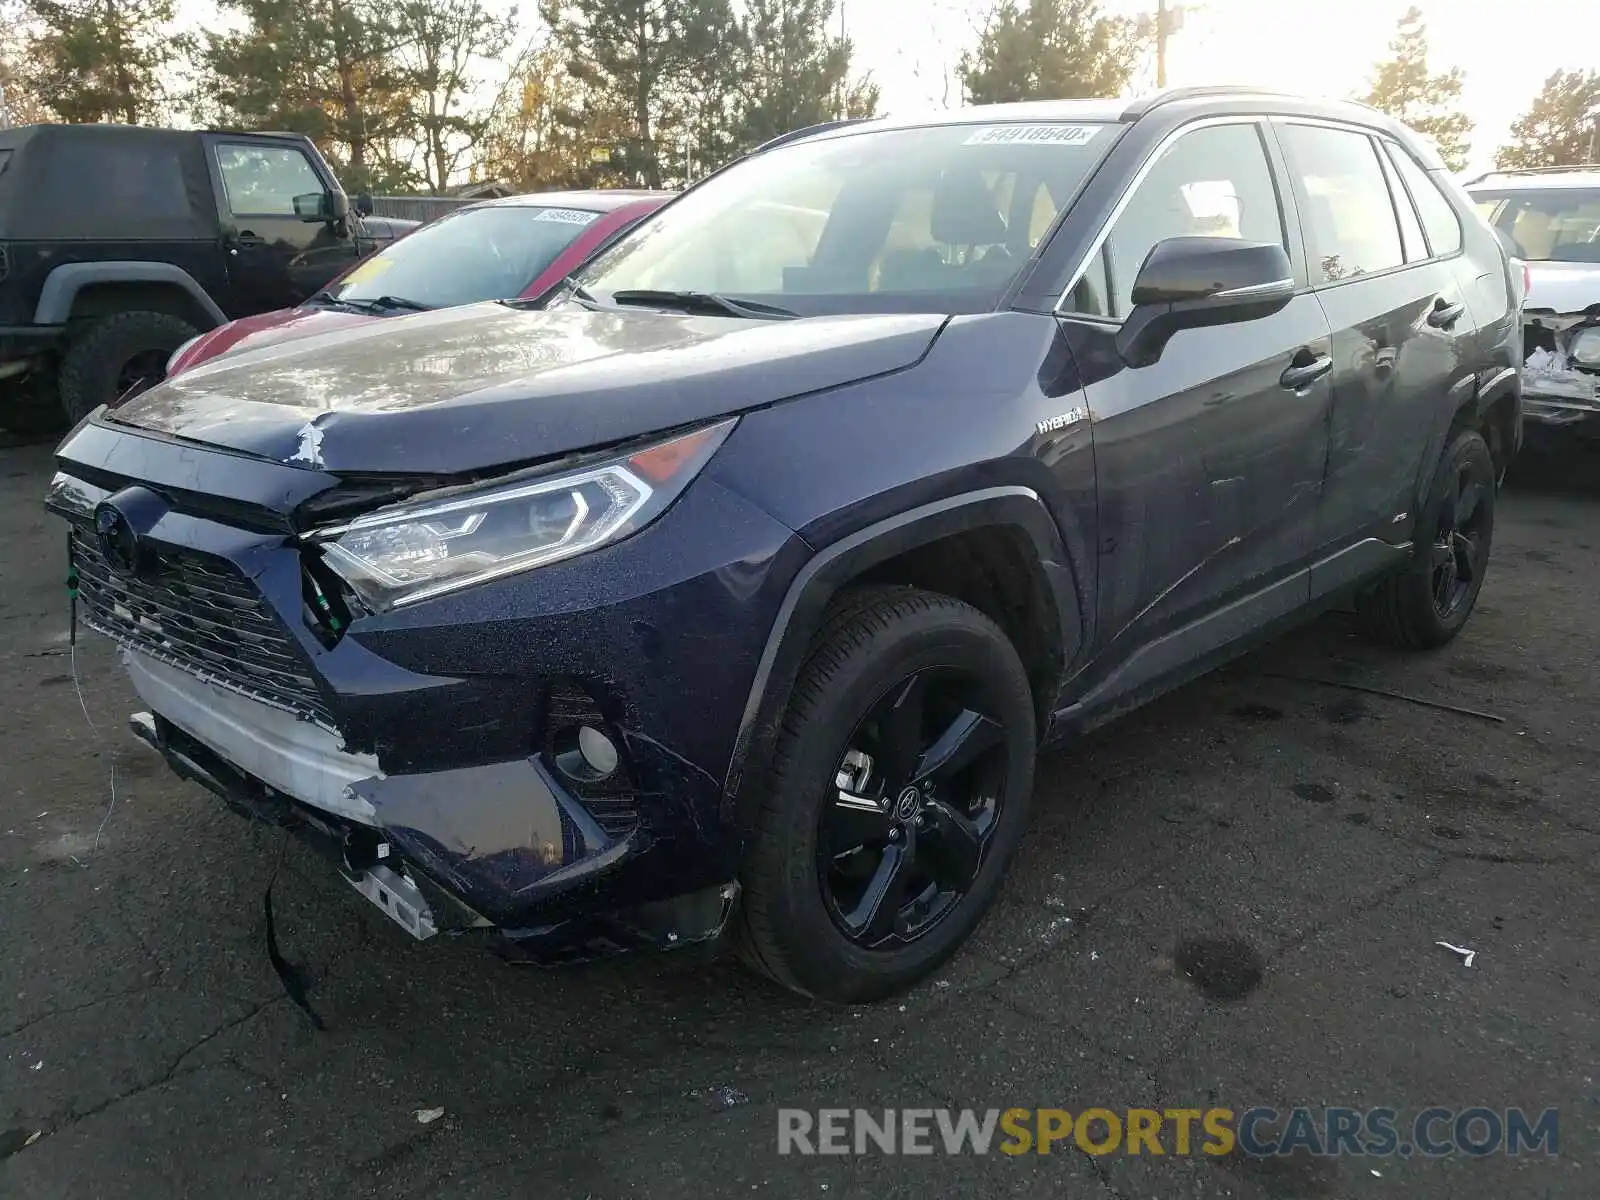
(427, 1116)
(1466, 955)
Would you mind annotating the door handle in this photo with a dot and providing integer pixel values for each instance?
(246, 238)
(1445, 314)
(1299, 375)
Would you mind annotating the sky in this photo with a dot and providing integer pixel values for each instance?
(911, 48)
(1321, 48)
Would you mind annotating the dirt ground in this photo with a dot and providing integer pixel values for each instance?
(1328, 837)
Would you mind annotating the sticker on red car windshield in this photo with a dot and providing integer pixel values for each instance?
(1044, 135)
(567, 216)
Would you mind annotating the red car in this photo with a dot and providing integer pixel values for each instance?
(518, 246)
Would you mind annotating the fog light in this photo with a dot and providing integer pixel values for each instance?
(599, 755)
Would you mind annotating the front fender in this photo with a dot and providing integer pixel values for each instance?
(836, 565)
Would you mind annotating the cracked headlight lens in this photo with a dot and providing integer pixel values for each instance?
(414, 551)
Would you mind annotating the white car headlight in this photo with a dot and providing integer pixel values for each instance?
(411, 552)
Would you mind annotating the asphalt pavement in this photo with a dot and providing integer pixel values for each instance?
(1231, 898)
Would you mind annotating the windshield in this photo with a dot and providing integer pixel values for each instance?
(936, 219)
(1546, 224)
(478, 254)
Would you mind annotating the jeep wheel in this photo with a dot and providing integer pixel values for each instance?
(1426, 603)
(898, 789)
(116, 355)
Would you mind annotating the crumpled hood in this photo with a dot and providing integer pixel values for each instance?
(1563, 287)
(485, 385)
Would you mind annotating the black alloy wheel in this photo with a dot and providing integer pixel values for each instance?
(892, 799)
(1460, 542)
(1425, 602)
(915, 806)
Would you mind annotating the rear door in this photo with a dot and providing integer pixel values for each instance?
(1403, 333)
(275, 258)
(1210, 460)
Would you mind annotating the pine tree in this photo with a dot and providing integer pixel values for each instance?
(643, 59)
(798, 73)
(1049, 50)
(1430, 104)
(1561, 128)
(325, 68)
(102, 60)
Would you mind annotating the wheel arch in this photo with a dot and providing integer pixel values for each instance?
(904, 548)
(121, 286)
(1492, 406)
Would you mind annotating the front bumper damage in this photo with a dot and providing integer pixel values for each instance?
(393, 838)
(1557, 392)
(425, 751)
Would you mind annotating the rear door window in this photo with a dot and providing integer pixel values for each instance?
(1350, 215)
(1437, 213)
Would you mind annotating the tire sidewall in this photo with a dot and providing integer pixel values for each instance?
(820, 954)
(97, 353)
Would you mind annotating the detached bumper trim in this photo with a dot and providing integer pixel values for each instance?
(299, 759)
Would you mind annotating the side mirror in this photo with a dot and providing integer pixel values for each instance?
(364, 203)
(1191, 282)
(314, 207)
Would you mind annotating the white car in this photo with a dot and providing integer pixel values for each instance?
(1549, 218)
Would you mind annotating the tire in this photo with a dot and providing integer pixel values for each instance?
(1406, 609)
(879, 647)
(101, 354)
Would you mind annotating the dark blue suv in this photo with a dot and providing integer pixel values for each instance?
(734, 589)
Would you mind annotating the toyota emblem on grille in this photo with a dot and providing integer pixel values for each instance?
(118, 541)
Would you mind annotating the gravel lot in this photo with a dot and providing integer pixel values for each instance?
(1336, 835)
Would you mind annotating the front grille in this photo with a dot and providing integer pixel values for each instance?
(198, 613)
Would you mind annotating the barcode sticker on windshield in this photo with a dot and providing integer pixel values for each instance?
(1045, 135)
(567, 216)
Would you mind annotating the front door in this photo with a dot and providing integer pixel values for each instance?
(1402, 331)
(1209, 461)
(276, 258)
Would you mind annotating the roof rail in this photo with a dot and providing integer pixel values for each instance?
(807, 131)
(1570, 168)
(1145, 104)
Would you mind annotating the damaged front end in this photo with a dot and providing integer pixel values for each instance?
(1561, 373)
(512, 759)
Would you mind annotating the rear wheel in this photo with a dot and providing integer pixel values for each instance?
(116, 356)
(1426, 603)
(897, 793)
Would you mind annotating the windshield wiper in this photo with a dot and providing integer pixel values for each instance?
(400, 302)
(328, 298)
(702, 302)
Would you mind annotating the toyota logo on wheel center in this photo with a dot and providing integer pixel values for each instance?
(906, 806)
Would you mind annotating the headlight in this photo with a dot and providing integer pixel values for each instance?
(401, 555)
(181, 351)
(1584, 348)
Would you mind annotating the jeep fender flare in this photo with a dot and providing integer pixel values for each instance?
(833, 567)
(62, 285)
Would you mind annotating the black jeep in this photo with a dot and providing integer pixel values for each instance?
(118, 244)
